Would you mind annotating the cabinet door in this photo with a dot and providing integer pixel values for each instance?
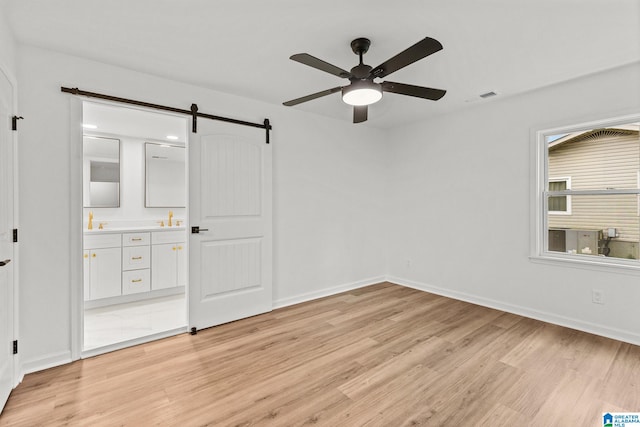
(86, 266)
(163, 266)
(106, 273)
(181, 263)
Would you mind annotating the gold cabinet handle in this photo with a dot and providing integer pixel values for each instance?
(136, 257)
(136, 280)
(179, 248)
(93, 255)
(86, 255)
(136, 239)
(173, 248)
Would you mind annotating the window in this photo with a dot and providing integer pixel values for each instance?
(559, 205)
(587, 193)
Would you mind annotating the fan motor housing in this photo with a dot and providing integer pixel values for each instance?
(361, 71)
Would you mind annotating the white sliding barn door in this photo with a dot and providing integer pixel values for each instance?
(230, 264)
(6, 240)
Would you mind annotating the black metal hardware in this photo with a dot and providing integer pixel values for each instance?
(78, 92)
(14, 122)
(196, 229)
(194, 120)
(15, 235)
(5, 262)
(193, 331)
(15, 347)
(267, 126)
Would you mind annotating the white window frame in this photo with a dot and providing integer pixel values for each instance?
(540, 191)
(566, 179)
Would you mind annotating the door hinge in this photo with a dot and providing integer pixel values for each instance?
(14, 122)
(15, 235)
(15, 347)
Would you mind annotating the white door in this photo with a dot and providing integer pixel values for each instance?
(230, 260)
(6, 240)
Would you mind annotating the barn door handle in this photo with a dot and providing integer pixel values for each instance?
(197, 230)
(5, 262)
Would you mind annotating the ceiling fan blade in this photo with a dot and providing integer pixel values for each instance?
(319, 64)
(411, 90)
(312, 96)
(422, 49)
(360, 113)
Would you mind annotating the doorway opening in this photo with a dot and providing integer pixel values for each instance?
(134, 226)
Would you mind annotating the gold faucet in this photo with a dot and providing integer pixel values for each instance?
(161, 222)
(170, 216)
(101, 225)
(90, 226)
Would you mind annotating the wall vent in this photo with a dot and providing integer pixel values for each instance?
(488, 94)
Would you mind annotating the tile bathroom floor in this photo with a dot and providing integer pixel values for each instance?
(118, 323)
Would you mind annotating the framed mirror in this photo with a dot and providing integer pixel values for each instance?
(165, 180)
(101, 172)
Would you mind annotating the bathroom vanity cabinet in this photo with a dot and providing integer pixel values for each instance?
(118, 265)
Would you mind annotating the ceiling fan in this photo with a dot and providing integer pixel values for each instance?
(363, 90)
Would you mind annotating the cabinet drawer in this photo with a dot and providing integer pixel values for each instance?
(135, 281)
(135, 257)
(135, 239)
(100, 241)
(176, 236)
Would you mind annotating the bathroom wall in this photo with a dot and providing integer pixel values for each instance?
(329, 178)
(132, 190)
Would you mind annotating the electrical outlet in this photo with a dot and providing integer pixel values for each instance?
(597, 296)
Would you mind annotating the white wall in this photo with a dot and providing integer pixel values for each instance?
(459, 196)
(328, 188)
(7, 46)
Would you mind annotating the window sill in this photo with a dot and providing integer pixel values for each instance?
(588, 262)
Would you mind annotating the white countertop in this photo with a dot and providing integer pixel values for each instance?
(142, 228)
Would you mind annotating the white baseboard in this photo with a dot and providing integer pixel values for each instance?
(46, 362)
(308, 296)
(580, 325)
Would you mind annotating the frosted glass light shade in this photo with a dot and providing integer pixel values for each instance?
(362, 93)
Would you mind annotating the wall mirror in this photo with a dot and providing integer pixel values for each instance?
(165, 176)
(101, 172)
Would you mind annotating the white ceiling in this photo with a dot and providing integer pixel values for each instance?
(242, 47)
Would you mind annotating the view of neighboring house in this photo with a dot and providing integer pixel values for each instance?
(596, 159)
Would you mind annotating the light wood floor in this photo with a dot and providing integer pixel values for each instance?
(377, 356)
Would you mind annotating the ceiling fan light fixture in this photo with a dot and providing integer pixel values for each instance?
(362, 93)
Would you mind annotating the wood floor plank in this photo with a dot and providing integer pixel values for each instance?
(382, 355)
(500, 415)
